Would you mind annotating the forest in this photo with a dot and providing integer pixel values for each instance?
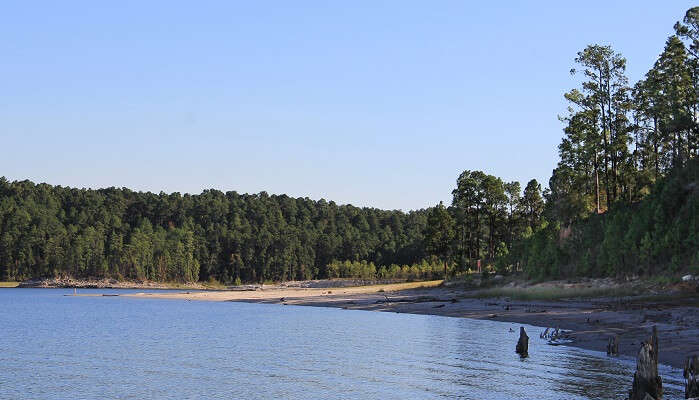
(117, 233)
(623, 200)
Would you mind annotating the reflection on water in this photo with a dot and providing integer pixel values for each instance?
(56, 347)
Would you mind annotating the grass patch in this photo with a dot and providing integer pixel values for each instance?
(553, 293)
(8, 284)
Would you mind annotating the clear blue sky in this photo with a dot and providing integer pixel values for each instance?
(373, 103)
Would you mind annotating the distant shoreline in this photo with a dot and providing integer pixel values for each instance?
(69, 283)
(59, 283)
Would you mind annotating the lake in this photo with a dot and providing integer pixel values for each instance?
(59, 347)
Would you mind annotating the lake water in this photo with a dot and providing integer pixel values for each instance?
(58, 347)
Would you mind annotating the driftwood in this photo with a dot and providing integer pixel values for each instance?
(647, 384)
(523, 343)
(553, 334)
(556, 336)
(691, 378)
(613, 346)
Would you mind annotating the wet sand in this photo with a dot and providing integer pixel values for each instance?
(591, 321)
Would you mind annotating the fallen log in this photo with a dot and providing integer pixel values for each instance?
(523, 343)
(647, 384)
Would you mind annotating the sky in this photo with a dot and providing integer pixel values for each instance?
(372, 103)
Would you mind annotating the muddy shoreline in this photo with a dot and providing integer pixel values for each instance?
(590, 322)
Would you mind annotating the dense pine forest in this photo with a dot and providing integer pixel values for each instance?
(55, 231)
(623, 200)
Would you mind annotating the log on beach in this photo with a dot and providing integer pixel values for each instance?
(523, 343)
(647, 384)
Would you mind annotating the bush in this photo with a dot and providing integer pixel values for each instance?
(364, 270)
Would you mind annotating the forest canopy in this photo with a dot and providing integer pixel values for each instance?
(117, 233)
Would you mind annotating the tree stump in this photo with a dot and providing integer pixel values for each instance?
(691, 377)
(523, 343)
(613, 346)
(646, 382)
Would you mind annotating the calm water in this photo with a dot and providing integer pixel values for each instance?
(57, 347)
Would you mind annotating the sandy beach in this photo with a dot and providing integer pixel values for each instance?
(590, 322)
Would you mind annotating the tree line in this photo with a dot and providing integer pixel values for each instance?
(622, 200)
(52, 231)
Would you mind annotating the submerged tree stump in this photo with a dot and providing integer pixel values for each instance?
(523, 343)
(691, 377)
(647, 384)
(613, 346)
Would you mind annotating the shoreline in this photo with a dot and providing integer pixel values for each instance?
(68, 283)
(590, 322)
(106, 284)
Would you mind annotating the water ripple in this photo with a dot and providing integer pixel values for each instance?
(56, 347)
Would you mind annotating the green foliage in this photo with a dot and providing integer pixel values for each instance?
(487, 212)
(425, 270)
(439, 234)
(50, 231)
(656, 236)
(623, 199)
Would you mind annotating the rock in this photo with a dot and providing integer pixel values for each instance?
(613, 346)
(647, 384)
(523, 343)
(691, 377)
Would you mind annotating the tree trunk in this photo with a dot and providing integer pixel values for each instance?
(655, 148)
(599, 210)
(523, 343)
(646, 381)
(605, 141)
